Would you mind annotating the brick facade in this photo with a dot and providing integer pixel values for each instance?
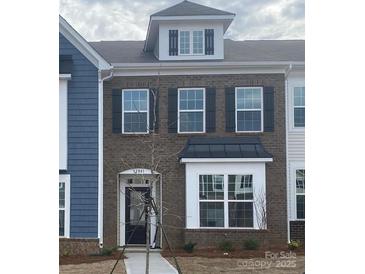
(297, 231)
(123, 152)
(78, 246)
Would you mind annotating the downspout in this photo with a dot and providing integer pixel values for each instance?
(288, 192)
(100, 158)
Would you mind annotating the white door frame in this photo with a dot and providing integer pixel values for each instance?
(122, 183)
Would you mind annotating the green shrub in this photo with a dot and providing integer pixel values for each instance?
(251, 244)
(105, 251)
(189, 247)
(293, 245)
(226, 246)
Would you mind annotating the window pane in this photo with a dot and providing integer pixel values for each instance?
(211, 187)
(61, 226)
(211, 214)
(240, 187)
(191, 121)
(61, 195)
(185, 42)
(249, 98)
(198, 42)
(300, 181)
(249, 120)
(240, 214)
(191, 99)
(300, 206)
(135, 122)
(299, 97)
(299, 117)
(135, 100)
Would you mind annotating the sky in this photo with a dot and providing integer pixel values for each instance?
(99, 20)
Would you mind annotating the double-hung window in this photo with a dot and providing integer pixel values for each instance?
(211, 200)
(299, 106)
(135, 110)
(240, 200)
(226, 205)
(191, 42)
(191, 107)
(249, 109)
(184, 42)
(64, 205)
(300, 193)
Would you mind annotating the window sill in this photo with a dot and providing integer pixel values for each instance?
(225, 230)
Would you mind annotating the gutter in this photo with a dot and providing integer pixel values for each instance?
(288, 192)
(101, 158)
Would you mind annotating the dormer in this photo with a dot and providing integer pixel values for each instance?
(188, 31)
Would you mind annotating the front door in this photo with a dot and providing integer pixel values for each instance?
(134, 206)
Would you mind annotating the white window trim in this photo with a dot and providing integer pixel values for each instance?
(296, 194)
(66, 179)
(260, 109)
(195, 110)
(294, 106)
(226, 204)
(133, 111)
(191, 47)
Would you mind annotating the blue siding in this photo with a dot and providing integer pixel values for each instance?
(82, 142)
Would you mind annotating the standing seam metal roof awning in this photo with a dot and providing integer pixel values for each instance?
(224, 147)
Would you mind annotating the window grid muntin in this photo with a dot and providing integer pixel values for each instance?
(146, 111)
(189, 51)
(249, 110)
(202, 110)
(299, 104)
(198, 41)
(300, 181)
(227, 203)
(184, 42)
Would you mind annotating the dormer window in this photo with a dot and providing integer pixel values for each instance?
(191, 42)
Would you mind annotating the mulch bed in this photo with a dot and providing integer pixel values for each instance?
(217, 253)
(82, 259)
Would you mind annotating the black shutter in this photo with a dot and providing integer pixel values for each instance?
(154, 109)
(172, 110)
(209, 42)
(210, 109)
(269, 109)
(173, 42)
(117, 110)
(230, 110)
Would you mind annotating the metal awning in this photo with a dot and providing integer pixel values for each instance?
(234, 149)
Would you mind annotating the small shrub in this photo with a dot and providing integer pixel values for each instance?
(293, 245)
(105, 251)
(189, 247)
(226, 246)
(66, 253)
(251, 244)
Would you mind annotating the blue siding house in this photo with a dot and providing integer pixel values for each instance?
(80, 142)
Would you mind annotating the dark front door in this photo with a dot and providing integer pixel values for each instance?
(134, 208)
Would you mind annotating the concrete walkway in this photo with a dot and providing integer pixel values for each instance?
(136, 264)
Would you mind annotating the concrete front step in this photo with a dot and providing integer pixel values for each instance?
(139, 249)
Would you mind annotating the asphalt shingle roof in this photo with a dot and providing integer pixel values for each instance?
(187, 8)
(234, 51)
(224, 147)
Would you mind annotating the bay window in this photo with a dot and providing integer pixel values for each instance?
(249, 109)
(191, 110)
(226, 201)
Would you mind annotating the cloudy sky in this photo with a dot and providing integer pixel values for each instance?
(128, 19)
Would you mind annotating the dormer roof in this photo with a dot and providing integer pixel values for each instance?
(187, 8)
(185, 11)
